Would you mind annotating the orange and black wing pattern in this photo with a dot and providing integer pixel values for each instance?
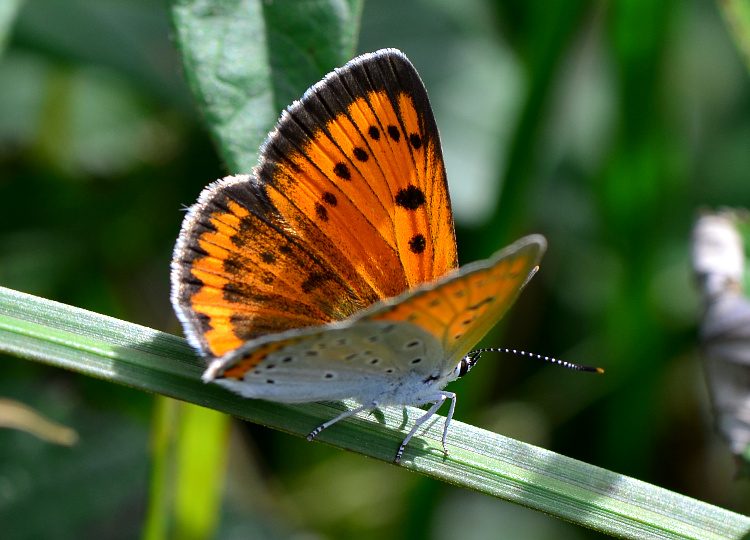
(457, 310)
(460, 309)
(348, 205)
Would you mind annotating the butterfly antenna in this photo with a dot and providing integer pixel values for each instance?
(474, 356)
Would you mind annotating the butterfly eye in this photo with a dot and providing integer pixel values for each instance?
(463, 367)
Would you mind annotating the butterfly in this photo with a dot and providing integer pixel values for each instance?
(330, 272)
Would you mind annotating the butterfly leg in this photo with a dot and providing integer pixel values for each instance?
(452, 397)
(314, 433)
(439, 400)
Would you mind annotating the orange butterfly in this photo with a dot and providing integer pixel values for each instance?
(330, 272)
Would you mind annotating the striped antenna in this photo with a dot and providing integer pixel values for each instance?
(474, 356)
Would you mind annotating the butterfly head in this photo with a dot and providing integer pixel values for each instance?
(466, 363)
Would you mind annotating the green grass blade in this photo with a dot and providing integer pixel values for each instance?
(552, 31)
(737, 15)
(8, 10)
(125, 353)
(246, 61)
(189, 458)
(158, 521)
(201, 462)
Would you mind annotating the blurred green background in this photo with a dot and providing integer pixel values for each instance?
(602, 125)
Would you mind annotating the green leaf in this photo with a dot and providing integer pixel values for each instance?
(737, 16)
(125, 353)
(245, 60)
(552, 29)
(189, 463)
(8, 10)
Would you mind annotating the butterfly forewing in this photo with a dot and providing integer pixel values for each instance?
(461, 309)
(371, 176)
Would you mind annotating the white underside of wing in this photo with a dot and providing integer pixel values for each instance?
(387, 362)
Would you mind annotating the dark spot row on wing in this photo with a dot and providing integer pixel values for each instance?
(388, 72)
(262, 219)
(366, 356)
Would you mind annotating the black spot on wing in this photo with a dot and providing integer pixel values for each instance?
(321, 212)
(268, 257)
(361, 154)
(481, 303)
(417, 244)
(330, 199)
(410, 198)
(342, 171)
